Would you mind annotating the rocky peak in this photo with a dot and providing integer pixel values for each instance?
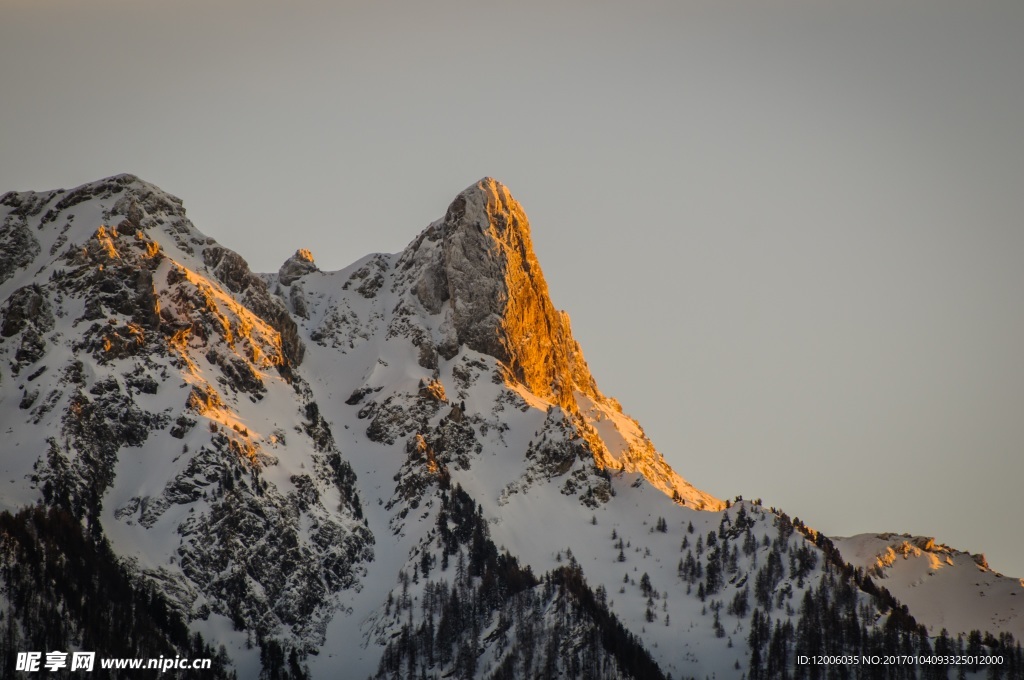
(476, 275)
(296, 266)
(479, 262)
(98, 213)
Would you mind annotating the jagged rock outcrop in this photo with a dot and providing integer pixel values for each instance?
(233, 271)
(127, 329)
(296, 266)
(479, 262)
(475, 270)
(26, 305)
(469, 297)
(17, 245)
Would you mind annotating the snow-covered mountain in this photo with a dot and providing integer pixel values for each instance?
(400, 469)
(944, 587)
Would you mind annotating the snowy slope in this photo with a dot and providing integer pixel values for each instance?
(944, 587)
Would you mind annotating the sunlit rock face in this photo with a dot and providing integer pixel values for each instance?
(482, 265)
(296, 266)
(476, 269)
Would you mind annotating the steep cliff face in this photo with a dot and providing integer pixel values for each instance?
(483, 267)
(476, 270)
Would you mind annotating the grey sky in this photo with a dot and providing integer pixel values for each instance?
(789, 234)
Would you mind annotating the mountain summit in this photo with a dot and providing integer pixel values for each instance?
(471, 283)
(479, 263)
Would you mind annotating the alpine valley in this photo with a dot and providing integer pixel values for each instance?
(403, 469)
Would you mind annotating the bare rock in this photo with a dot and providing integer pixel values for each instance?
(479, 263)
(296, 266)
(18, 248)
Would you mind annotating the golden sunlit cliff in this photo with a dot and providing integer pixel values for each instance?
(477, 267)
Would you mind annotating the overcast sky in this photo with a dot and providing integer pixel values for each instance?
(789, 234)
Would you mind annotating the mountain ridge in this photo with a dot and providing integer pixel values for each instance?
(315, 464)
